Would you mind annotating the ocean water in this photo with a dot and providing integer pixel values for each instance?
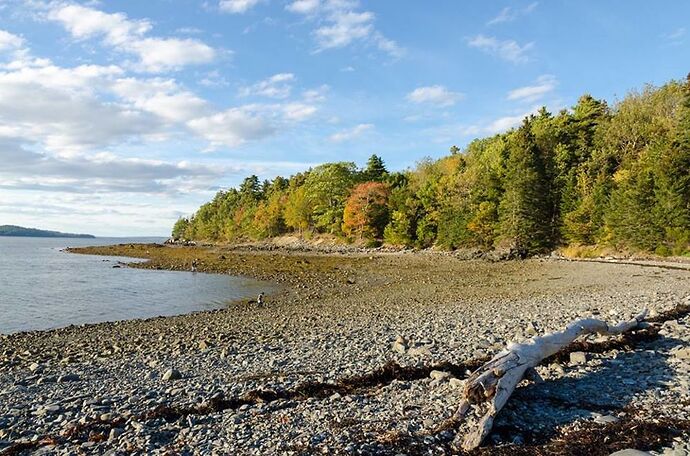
(42, 287)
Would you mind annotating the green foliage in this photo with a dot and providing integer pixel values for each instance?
(180, 227)
(376, 170)
(326, 189)
(591, 177)
(524, 209)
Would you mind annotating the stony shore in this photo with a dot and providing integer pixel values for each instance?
(357, 353)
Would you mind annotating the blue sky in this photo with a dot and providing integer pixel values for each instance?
(117, 117)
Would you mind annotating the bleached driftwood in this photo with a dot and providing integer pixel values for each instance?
(490, 386)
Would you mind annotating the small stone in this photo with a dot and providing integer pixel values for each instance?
(115, 433)
(204, 345)
(419, 351)
(606, 419)
(334, 397)
(34, 367)
(578, 358)
(456, 383)
(531, 330)
(69, 378)
(398, 347)
(683, 353)
(172, 374)
(557, 368)
(439, 375)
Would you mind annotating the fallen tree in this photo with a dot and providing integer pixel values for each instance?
(488, 388)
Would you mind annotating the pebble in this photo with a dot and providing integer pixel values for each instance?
(69, 378)
(578, 358)
(439, 375)
(172, 374)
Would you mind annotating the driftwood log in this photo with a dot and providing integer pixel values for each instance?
(490, 386)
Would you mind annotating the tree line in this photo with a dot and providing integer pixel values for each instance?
(595, 175)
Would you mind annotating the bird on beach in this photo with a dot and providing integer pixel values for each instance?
(260, 299)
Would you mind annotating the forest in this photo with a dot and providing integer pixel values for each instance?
(596, 175)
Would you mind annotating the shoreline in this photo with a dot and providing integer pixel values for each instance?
(337, 317)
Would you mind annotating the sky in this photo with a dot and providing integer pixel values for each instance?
(118, 117)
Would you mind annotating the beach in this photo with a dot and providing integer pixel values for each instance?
(355, 352)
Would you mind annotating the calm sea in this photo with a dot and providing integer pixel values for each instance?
(42, 287)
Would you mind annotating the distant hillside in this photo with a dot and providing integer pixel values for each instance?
(12, 230)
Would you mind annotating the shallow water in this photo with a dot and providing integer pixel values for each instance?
(42, 287)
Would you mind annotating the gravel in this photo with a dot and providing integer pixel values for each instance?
(181, 385)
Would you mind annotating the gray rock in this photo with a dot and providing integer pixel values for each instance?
(439, 375)
(605, 419)
(419, 351)
(683, 353)
(115, 433)
(578, 358)
(398, 347)
(69, 378)
(456, 383)
(172, 374)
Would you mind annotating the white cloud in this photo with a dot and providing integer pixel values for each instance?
(304, 6)
(437, 95)
(237, 6)
(126, 35)
(344, 28)
(316, 95)
(674, 38)
(83, 22)
(94, 173)
(277, 86)
(351, 133)
(544, 84)
(163, 54)
(60, 107)
(341, 25)
(9, 41)
(506, 15)
(298, 111)
(232, 127)
(162, 97)
(506, 123)
(508, 50)
(509, 14)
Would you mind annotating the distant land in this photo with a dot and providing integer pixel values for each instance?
(20, 231)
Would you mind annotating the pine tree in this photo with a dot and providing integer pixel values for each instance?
(376, 170)
(524, 209)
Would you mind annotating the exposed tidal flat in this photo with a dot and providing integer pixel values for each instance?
(354, 353)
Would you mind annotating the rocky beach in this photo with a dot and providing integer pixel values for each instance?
(357, 353)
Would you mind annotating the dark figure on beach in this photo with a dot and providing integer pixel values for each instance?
(260, 299)
(194, 265)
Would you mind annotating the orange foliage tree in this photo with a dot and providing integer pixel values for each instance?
(366, 211)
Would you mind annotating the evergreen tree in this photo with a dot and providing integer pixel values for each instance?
(376, 170)
(523, 213)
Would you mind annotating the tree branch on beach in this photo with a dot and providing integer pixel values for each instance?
(489, 387)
